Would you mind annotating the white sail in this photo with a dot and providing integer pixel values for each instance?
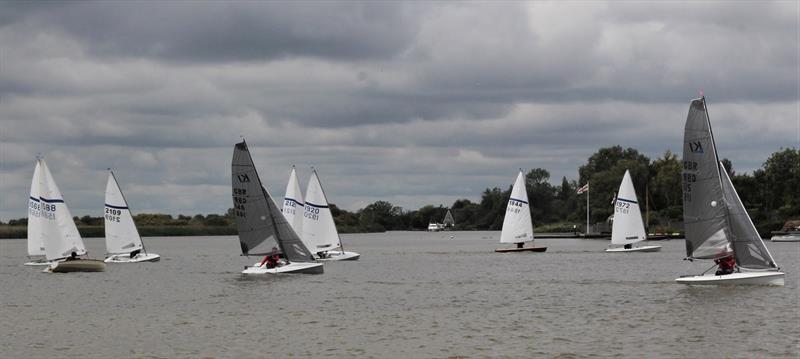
(35, 244)
(628, 227)
(319, 230)
(293, 203)
(59, 233)
(517, 225)
(121, 233)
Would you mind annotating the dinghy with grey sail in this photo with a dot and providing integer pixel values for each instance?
(716, 223)
(263, 230)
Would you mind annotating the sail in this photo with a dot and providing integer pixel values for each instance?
(262, 227)
(628, 227)
(704, 212)
(448, 219)
(517, 225)
(293, 203)
(35, 244)
(121, 233)
(60, 236)
(748, 248)
(319, 230)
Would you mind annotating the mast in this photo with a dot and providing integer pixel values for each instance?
(646, 209)
(587, 207)
(129, 208)
(719, 168)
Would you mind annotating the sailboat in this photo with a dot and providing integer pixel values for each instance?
(123, 243)
(62, 242)
(293, 203)
(319, 230)
(35, 244)
(262, 228)
(448, 221)
(628, 228)
(517, 224)
(717, 225)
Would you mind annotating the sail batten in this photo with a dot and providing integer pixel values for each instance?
(517, 224)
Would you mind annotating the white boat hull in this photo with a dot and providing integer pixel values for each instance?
(294, 267)
(634, 249)
(741, 278)
(38, 263)
(340, 256)
(77, 265)
(141, 257)
(788, 238)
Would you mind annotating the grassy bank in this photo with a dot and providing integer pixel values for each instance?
(144, 231)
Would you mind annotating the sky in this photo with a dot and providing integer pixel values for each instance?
(414, 103)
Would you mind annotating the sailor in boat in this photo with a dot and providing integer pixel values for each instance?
(271, 260)
(135, 253)
(72, 256)
(628, 246)
(726, 265)
(520, 244)
(322, 254)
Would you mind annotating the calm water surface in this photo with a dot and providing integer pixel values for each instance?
(412, 295)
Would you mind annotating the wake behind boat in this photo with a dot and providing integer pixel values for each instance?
(628, 228)
(717, 225)
(517, 224)
(62, 242)
(123, 243)
(263, 230)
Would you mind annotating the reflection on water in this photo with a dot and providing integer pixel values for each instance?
(411, 295)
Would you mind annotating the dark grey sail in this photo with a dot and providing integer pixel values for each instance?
(704, 212)
(748, 248)
(262, 228)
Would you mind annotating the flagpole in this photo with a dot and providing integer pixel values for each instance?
(587, 207)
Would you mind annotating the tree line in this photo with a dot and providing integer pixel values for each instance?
(769, 194)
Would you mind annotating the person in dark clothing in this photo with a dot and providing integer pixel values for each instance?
(520, 244)
(628, 246)
(135, 253)
(726, 265)
(72, 256)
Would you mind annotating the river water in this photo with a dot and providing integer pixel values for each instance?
(412, 295)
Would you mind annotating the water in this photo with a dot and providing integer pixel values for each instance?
(412, 295)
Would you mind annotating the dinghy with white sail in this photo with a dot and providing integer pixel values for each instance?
(123, 243)
(628, 228)
(319, 229)
(717, 225)
(293, 204)
(62, 242)
(35, 245)
(263, 230)
(517, 224)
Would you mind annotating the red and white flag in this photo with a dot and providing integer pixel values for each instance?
(585, 188)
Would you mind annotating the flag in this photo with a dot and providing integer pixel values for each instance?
(585, 188)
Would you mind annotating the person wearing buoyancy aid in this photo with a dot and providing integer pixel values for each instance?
(726, 265)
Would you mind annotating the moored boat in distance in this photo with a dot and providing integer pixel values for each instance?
(517, 224)
(263, 230)
(791, 236)
(628, 228)
(62, 242)
(123, 243)
(717, 226)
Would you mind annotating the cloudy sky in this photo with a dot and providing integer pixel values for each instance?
(414, 103)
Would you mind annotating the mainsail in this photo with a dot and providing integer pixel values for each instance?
(748, 248)
(121, 233)
(319, 229)
(262, 227)
(293, 203)
(59, 233)
(35, 244)
(704, 208)
(448, 219)
(628, 227)
(517, 225)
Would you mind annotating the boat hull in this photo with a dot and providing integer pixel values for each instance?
(294, 267)
(788, 238)
(741, 278)
(634, 249)
(340, 256)
(77, 265)
(141, 257)
(523, 249)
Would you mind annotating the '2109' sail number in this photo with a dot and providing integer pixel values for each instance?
(112, 214)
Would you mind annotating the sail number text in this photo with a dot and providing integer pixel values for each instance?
(112, 215)
(622, 207)
(514, 206)
(689, 177)
(239, 199)
(311, 212)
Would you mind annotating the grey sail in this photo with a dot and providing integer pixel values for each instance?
(748, 248)
(704, 211)
(262, 228)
